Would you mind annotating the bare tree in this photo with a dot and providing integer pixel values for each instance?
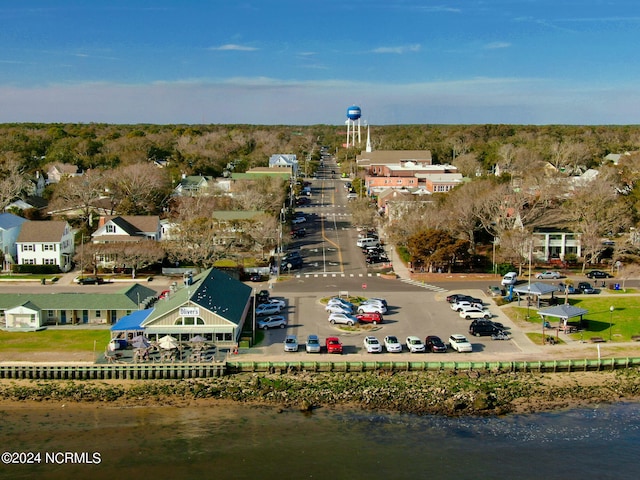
(138, 188)
(12, 178)
(79, 194)
(595, 211)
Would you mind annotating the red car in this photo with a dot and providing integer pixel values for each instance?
(333, 345)
(371, 317)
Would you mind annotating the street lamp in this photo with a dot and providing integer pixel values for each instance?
(253, 342)
(610, 320)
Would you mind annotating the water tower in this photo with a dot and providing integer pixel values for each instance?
(353, 113)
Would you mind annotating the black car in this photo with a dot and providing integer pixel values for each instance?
(298, 233)
(587, 288)
(459, 297)
(484, 327)
(255, 277)
(598, 274)
(435, 344)
(262, 296)
(90, 280)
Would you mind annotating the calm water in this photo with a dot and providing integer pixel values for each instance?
(259, 443)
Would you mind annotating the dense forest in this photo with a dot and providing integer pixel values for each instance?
(517, 172)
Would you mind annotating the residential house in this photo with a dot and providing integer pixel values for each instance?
(212, 304)
(195, 185)
(282, 160)
(10, 226)
(555, 243)
(58, 171)
(46, 243)
(36, 311)
(125, 228)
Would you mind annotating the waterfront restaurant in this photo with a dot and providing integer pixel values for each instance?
(212, 305)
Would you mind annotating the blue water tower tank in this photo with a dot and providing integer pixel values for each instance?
(354, 112)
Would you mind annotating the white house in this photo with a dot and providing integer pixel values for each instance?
(284, 160)
(10, 226)
(46, 243)
(127, 228)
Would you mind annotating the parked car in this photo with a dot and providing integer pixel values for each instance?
(313, 344)
(336, 308)
(268, 308)
(567, 288)
(333, 345)
(371, 308)
(495, 291)
(342, 318)
(414, 344)
(474, 312)
(274, 321)
(458, 297)
(383, 301)
(375, 303)
(290, 343)
(435, 344)
(255, 277)
(276, 301)
(483, 327)
(90, 280)
(598, 274)
(342, 303)
(510, 278)
(372, 344)
(262, 296)
(298, 233)
(297, 220)
(587, 288)
(458, 306)
(548, 274)
(371, 317)
(459, 343)
(392, 344)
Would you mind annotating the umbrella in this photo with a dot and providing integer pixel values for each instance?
(140, 341)
(168, 342)
(198, 339)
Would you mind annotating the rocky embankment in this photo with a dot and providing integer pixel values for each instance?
(442, 393)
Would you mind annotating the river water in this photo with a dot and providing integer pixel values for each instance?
(243, 442)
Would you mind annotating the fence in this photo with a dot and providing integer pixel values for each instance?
(112, 372)
(522, 366)
(199, 370)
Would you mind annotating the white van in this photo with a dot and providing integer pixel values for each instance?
(367, 242)
(510, 278)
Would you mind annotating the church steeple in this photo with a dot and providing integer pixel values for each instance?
(368, 148)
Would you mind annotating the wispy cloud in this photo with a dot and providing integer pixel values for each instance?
(399, 49)
(234, 47)
(496, 45)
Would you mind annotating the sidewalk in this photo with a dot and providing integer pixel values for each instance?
(399, 267)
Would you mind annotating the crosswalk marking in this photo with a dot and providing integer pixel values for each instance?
(418, 283)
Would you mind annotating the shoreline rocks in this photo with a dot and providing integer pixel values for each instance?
(422, 393)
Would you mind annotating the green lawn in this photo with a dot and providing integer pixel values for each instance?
(625, 318)
(63, 340)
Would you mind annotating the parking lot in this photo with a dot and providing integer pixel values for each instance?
(419, 313)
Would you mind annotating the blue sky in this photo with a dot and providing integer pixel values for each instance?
(305, 61)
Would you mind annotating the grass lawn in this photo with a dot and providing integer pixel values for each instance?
(54, 340)
(625, 319)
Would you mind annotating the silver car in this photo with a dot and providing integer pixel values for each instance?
(290, 343)
(313, 344)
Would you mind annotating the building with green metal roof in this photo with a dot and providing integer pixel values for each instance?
(34, 311)
(212, 304)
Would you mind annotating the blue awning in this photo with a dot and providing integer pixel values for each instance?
(132, 321)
